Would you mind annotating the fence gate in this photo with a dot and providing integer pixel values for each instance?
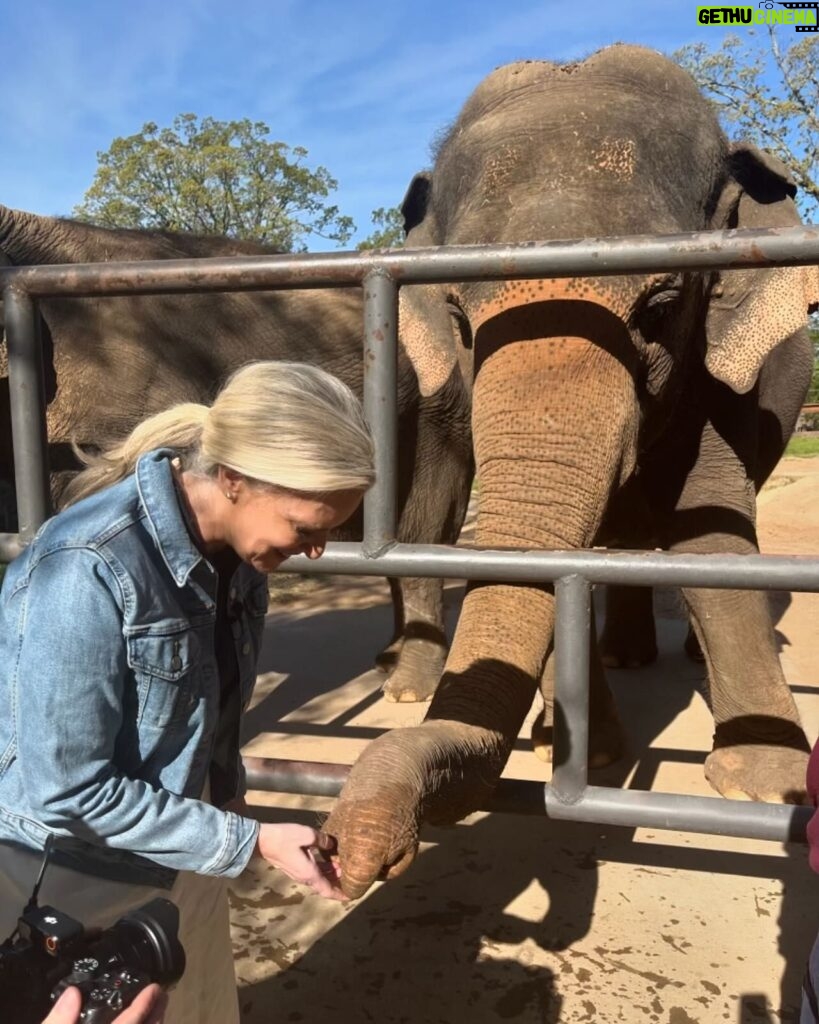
(573, 573)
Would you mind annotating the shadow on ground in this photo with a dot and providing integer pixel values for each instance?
(503, 917)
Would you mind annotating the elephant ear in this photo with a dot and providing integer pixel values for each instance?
(752, 311)
(415, 202)
(425, 322)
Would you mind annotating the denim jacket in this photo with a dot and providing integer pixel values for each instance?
(109, 690)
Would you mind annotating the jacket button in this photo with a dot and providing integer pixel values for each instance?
(176, 663)
(245, 648)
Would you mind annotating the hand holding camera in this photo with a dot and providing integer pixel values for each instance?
(107, 971)
(147, 1008)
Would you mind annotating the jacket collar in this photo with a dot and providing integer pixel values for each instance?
(161, 501)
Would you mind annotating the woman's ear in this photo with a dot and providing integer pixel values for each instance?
(752, 311)
(230, 482)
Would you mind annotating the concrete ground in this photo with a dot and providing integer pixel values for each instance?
(506, 918)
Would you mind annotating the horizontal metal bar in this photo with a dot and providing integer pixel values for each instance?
(743, 819)
(319, 778)
(312, 778)
(597, 257)
(601, 805)
(631, 568)
(796, 573)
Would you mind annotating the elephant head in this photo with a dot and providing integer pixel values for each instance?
(576, 382)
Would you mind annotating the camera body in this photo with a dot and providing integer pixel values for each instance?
(51, 951)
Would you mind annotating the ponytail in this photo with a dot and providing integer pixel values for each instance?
(179, 427)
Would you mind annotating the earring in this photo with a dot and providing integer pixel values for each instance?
(230, 496)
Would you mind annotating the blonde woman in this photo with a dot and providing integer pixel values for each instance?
(129, 635)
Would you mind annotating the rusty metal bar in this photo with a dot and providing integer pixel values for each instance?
(796, 573)
(320, 778)
(28, 422)
(743, 819)
(631, 568)
(597, 257)
(572, 651)
(782, 823)
(312, 778)
(381, 408)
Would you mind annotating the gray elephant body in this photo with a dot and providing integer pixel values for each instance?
(110, 362)
(671, 394)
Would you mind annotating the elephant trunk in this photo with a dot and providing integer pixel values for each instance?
(391, 790)
(555, 425)
(539, 488)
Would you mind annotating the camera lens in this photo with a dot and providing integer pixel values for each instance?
(147, 940)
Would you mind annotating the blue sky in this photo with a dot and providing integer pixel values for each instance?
(364, 86)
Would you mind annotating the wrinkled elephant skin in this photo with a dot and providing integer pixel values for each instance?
(638, 411)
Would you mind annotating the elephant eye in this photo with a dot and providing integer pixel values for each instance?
(461, 321)
(657, 305)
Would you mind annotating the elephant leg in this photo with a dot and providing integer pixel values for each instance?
(606, 738)
(387, 659)
(422, 646)
(760, 750)
(629, 637)
(433, 513)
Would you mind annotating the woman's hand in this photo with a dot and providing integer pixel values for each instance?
(148, 1008)
(302, 853)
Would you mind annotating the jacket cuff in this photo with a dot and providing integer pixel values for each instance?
(240, 842)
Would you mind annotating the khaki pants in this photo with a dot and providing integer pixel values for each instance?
(206, 993)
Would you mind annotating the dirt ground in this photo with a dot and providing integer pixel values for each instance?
(506, 918)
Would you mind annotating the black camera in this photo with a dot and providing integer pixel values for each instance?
(50, 951)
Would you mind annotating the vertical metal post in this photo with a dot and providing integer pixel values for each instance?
(381, 406)
(28, 419)
(571, 723)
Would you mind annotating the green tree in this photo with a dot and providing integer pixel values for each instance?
(767, 92)
(215, 178)
(389, 229)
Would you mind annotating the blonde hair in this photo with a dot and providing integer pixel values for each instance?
(287, 425)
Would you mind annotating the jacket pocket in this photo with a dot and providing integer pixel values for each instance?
(168, 676)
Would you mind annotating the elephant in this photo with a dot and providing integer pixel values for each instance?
(644, 410)
(109, 362)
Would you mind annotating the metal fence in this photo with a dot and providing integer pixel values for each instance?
(380, 274)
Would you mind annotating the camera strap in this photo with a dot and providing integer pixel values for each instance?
(32, 900)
